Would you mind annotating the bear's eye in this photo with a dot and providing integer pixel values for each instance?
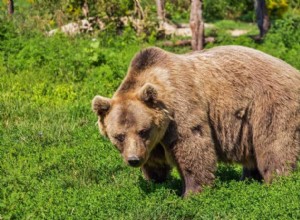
(144, 133)
(120, 137)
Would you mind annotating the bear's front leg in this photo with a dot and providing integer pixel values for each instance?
(251, 173)
(156, 168)
(197, 162)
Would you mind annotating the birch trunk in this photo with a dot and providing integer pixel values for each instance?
(161, 15)
(10, 7)
(197, 24)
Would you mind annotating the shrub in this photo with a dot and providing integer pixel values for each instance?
(277, 8)
(220, 9)
(283, 39)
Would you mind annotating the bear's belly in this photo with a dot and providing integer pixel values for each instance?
(232, 134)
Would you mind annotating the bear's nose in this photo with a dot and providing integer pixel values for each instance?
(133, 161)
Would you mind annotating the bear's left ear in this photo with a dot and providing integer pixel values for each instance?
(148, 93)
(101, 105)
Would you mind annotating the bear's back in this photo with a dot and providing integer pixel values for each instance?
(238, 60)
(240, 71)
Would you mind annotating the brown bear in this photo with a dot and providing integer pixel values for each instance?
(230, 103)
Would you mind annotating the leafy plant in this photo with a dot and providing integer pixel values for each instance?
(277, 7)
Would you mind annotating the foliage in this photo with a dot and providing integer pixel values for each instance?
(178, 11)
(285, 34)
(48, 14)
(287, 31)
(295, 4)
(277, 7)
(220, 9)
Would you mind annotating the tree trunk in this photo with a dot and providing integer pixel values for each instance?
(161, 15)
(262, 17)
(10, 7)
(85, 9)
(139, 10)
(139, 23)
(197, 24)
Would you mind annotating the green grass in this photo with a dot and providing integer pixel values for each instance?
(231, 25)
(55, 165)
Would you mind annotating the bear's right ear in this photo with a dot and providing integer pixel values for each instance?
(101, 105)
(148, 93)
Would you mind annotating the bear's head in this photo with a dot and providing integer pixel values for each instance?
(134, 122)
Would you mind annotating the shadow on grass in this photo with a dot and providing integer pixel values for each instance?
(225, 174)
(171, 183)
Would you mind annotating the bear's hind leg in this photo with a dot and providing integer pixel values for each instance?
(277, 159)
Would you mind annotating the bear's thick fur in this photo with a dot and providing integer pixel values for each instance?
(229, 103)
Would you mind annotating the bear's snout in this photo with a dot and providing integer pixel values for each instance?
(134, 161)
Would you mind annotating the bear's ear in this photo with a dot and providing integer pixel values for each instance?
(148, 93)
(101, 105)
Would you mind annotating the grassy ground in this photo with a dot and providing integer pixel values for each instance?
(55, 165)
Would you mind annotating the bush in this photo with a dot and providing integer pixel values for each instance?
(277, 8)
(286, 31)
(283, 39)
(220, 9)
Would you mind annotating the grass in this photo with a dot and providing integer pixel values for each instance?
(55, 165)
(231, 25)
